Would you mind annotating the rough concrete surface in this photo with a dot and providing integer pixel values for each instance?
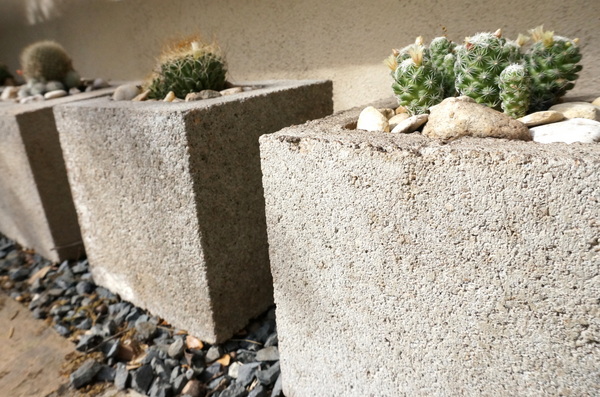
(36, 208)
(405, 267)
(170, 200)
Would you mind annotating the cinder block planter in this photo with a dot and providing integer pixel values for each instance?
(170, 199)
(404, 267)
(36, 208)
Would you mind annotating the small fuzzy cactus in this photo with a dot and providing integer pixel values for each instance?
(189, 66)
(553, 66)
(479, 63)
(441, 51)
(417, 83)
(514, 84)
(48, 61)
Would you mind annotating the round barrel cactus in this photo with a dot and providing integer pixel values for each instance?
(48, 61)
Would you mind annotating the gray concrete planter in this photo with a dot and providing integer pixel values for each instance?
(402, 266)
(170, 199)
(36, 208)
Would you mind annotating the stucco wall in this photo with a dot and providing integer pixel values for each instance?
(345, 41)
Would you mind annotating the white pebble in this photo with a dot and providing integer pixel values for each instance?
(55, 94)
(371, 119)
(569, 131)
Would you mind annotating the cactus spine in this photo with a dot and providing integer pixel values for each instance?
(442, 56)
(190, 66)
(552, 65)
(48, 61)
(417, 83)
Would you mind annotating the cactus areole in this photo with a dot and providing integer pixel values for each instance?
(488, 68)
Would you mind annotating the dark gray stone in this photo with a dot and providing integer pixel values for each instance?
(85, 324)
(179, 383)
(218, 381)
(211, 372)
(160, 388)
(214, 353)
(80, 267)
(18, 274)
(62, 329)
(106, 374)
(246, 373)
(258, 391)
(176, 348)
(272, 340)
(84, 288)
(234, 390)
(85, 373)
(87, 341)
(277, 390)
(121, 377)
(145, 330)
(142, 378)
(269, 375)
(270, 353)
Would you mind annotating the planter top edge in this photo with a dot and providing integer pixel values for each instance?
(265, 87)
(339, 129)
(8, 108)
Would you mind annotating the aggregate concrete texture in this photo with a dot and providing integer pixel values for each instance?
(36, 208)
(407, 267)
(170, 200)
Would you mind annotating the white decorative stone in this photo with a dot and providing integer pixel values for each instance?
(126, 92)
(33, 98)
(9, 93)
(207, 94)
(397, 119)
(100, 83)
(231, 91)
(371, 119)
(55, 94)
(568, 131)
(142, 97)
(457, 117)
(596, 101)
(572, 110)
(170, 97)
(541, 118)
(411, 124)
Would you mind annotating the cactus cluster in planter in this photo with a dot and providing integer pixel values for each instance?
(190, 66)
(489, 68)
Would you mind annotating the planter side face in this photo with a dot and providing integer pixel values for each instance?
(428, 269)
(36, 207)
(170, 200)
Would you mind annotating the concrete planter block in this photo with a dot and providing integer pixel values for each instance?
(36, 208)
(170, 200)
(402, 266)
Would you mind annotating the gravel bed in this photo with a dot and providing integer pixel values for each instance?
(129, 347)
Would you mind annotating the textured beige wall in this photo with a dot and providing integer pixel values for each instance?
(345, 41)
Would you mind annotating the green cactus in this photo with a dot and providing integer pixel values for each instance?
(188, 67)
(553, 66)
(417, 83)
(5, 75)
(478, 65)
(441, 52)
(514, 84)
(48, 61)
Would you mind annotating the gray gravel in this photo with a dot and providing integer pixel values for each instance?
(139, 350)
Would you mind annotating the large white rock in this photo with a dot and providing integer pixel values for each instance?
(568, 131)
(572, 110)
(457, 117)
(371, 119)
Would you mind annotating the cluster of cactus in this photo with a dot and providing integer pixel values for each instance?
(5, 75)
(488, 68)
(189, 66)
(47, 63)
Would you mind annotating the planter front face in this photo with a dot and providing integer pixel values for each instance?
(170, 200)
(36, 208)
(405, 267)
